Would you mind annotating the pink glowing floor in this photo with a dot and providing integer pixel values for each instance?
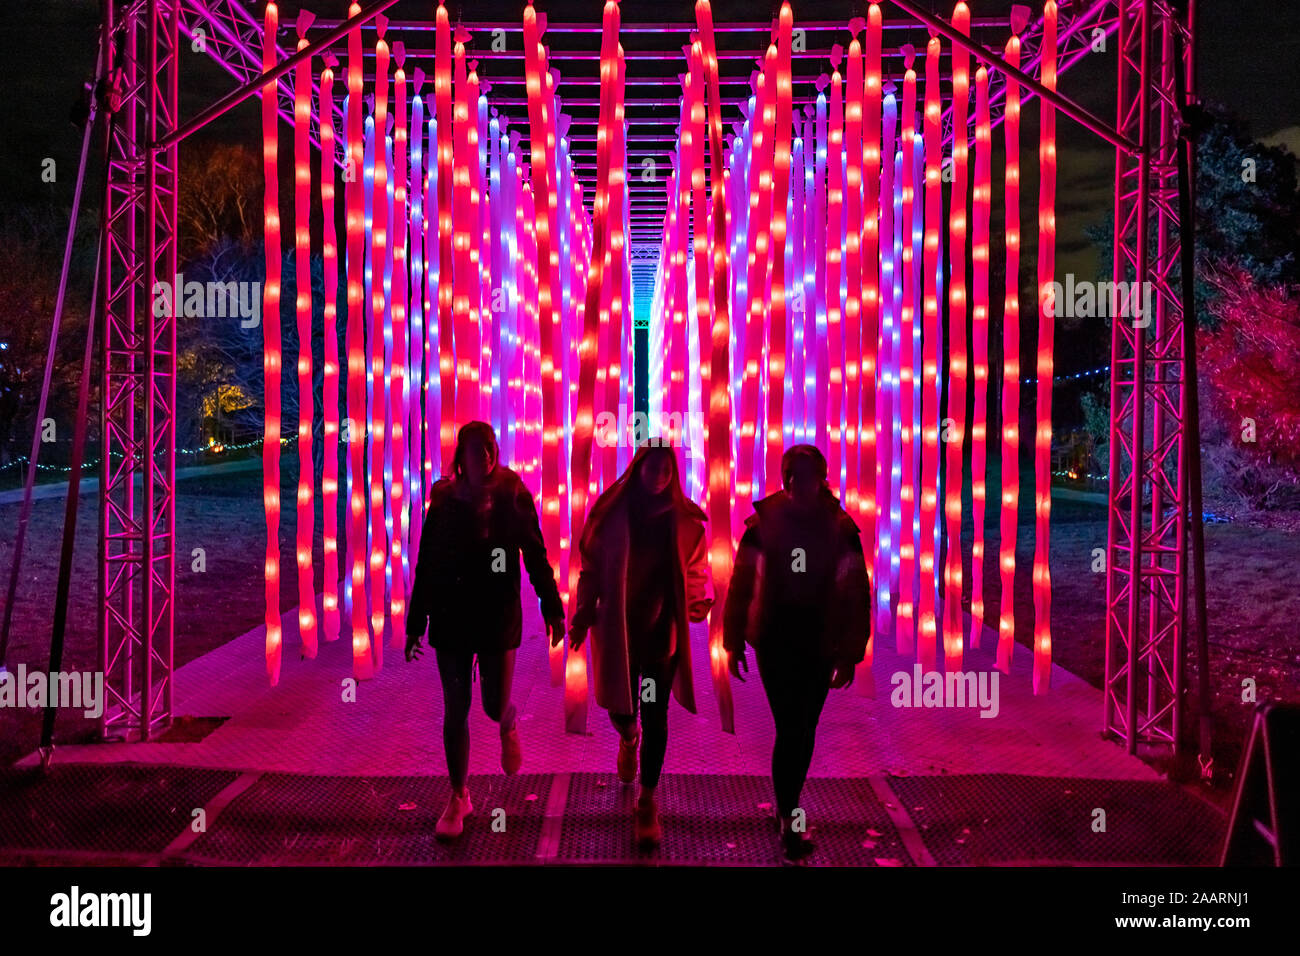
(303, 725)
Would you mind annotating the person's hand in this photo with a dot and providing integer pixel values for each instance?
(736, 662)
(555, 631)
(577, 637)
(842, 676)
(413, 647)
(699, 610)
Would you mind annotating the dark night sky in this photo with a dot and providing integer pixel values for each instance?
(1249, 51)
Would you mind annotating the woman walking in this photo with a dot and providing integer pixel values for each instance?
(467, 585)
(800, 595)
(644, 577)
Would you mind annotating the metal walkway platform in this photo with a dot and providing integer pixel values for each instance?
(297, 775)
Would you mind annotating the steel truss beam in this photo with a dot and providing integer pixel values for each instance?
(1146, 548)
(1147, 506)
(137, 505)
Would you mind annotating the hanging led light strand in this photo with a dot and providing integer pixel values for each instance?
(445, 122)
(378, 332)
(330, 373)
(271, 346)
(909, 414)
(955, 426)
(980, 344)
(870, 425)
(584, 420)
(1010, 412)
(781, 150)
(928, 489)
(853, 266)
(834, 262)
(1042, 580)
(354, 199)
(719, 439)
(399, 485)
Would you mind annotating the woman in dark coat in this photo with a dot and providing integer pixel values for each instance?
(467, 584)
(644, 576)
(800, 595)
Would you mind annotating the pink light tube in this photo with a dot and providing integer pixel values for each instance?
(271, 349)
(760, 205)
(1010, 418)
(780, 191)
(417, 387)
(888, 455)
(954, 433)
(980, 343)
(540, 147)
(695, 128)
(1042, 581)
(853, 269)
(720, 478)
(446, 238)
(929, 483)
(330, 384)
(465, 281)
(400, 483)
(907, 544)
(588, 357)
(378, 322)
(304, 529)
(821, 412)
(871, 426)
(354, 198)
(834, 255)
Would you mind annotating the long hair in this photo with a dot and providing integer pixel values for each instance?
(626, 485)
(481, 430)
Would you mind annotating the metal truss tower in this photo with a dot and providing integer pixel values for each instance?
(137, 511)
(1146, 593)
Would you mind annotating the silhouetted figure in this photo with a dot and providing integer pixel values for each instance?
(644, 576)
(467, 585)
(800, 595)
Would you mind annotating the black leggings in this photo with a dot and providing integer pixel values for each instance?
(796, 683)
(654, 717)
(496, 674)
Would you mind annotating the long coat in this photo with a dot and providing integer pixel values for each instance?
(831, 546)
(467, 575)
(601, 604)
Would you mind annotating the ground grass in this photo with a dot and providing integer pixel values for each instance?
(1253, 610)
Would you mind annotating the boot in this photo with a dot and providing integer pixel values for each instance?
(627, 757)
(452, 822)
(511, 753)
(648, 831)
(794, 843)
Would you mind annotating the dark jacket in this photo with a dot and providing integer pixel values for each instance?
(467, 575)
(800, 579)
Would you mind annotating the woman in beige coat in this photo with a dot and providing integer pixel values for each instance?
(644, 577)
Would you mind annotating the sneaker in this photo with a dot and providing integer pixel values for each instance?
(648, 831)
(511, 754)
(452, 821)
(795, 844)
(627, 757)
